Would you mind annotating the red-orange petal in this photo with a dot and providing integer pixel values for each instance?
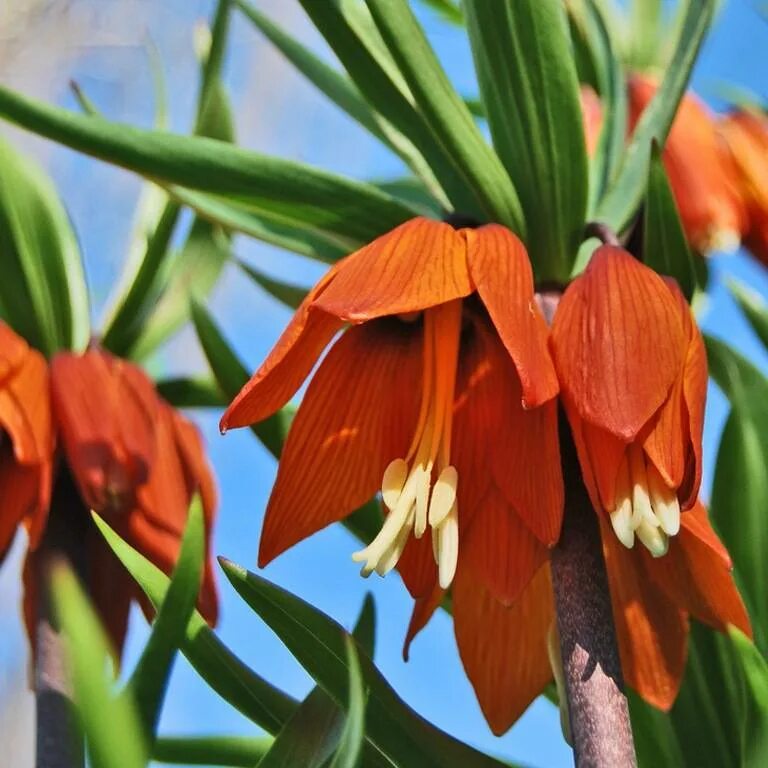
(501, 271)
(667, 443)
(417, 566)
(618, 342)
(417, 265)
(592, 116)
(500, 550)
(288, 364)
(423, 609)
(358, 414)
(13, 350)
(652, 631)
(696, 521)
(503, 649)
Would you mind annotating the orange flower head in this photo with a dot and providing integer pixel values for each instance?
(26, 439)
(745, 135)
(135, 461)
(705, 187)
(434, 396)
(633, 371)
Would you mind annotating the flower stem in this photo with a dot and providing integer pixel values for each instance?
(59, 743)
(602, 232)
(597, 707)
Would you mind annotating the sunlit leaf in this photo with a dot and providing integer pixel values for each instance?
(530, 90)
(353, 736)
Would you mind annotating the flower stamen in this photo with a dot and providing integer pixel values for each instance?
(414, 499)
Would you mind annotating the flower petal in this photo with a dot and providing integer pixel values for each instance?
(618, 342)
(501, 552)
(652, 631)
(358, 414)
(417, 265)
(667, 442)
(13, 350)
(288, 364)
(696, 522)
(423, 609)
(417, 566)
(21, 489)
(499, 266)
(503, 649)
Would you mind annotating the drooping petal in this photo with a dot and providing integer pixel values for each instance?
(13, 350)
(417, 265)
(667, 442)
(423, 609)
(652, 631)
(592, 116)
(696, 521)
(417, 566)
(492, 431)
(20, 499)
(600, 456)
(501, 271)
(504, 649)
(500, 550)
(358, 414)
(618, 342)
(288, 364)
(705, 187)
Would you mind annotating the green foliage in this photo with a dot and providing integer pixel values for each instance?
(234, 751)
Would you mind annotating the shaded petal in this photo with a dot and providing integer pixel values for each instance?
(423, 609)
(696, 522)
(13, 350)
(592, 116)
(288, 364)
(417, 566)
(501, 552)
(501, 271)
(695, 579)
(504, 649)
(417, 265)
(604, 453)
(667, 443)
(24, 497)
(358, 414)
(618, 342)
(651, 630)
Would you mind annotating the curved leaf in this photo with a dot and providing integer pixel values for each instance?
(235, 751)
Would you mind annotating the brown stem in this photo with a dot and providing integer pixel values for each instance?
(602, 232)
(59, 744)
(597, 707)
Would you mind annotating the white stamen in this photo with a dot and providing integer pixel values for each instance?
(653, 538)
(443, 496)
(389, 558)
(424, 475)
(448, 548)
(621, 519)
(664, 501)
(641, 502)
(393, 482)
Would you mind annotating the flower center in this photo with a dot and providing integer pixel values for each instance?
(645, 505)
(420, 489)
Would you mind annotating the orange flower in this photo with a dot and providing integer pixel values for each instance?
(703, 181)
(26, 440)
(746, 136)
(504, 647)
(135, 461)
(439, 395)
(592, 116)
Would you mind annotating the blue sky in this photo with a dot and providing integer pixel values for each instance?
(280, 114)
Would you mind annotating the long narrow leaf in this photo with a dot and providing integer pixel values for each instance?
(353, 736)
(191, 392)
(234, 751)
(287, 294)
(754, 308)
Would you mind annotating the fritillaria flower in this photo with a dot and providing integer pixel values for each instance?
(702, 177)
(746, 136)
(26, 440)
(439, 394)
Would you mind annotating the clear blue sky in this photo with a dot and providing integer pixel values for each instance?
(288, 119)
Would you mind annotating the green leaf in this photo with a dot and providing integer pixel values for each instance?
(231, 375)
(239, 751)
(740, 487)
(446, 113)
(412, 191)
(89, 659)
(353, 736)
(754, 308)
(318, 644)
(645, 22)
(450, 10)
(294, 192)
(148, 683)
(530, 89)
(665, 247)
(43, 294)
(290, 295)
(621, 201)
(350, 32)
(196, 392)
(754, 678)
(312, 735)
(235, 682)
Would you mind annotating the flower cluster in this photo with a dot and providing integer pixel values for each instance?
(442, 392)
(92, 428)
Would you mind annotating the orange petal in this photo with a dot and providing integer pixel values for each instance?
(423, 609)
(417, 566)
(417, 265)
(489, 414)
(618, 342)
(358, 414)
(695, 380)
(604, 453)
(501, 552)
(667, 443)
(500, 269)
(696, 521)
(24, 497)
(705, 187)
(651, 630)
(697, 581)
(288, 364)
(13, 350)
(592, 114)
(503, 649)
